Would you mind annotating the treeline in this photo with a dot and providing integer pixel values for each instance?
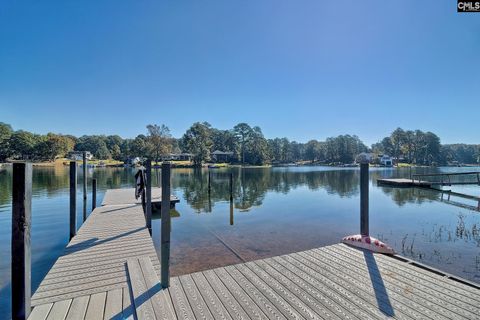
(247, 145)
(424, 148)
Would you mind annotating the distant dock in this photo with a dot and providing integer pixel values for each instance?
(429, 180)
(404, 183)
(126, 196)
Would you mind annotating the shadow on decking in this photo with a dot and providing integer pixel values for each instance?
(94, 241)
(381, 295)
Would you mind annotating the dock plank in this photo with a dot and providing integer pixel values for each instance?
(96, 306)
(78, 308)
(59, 310)
(431, 299)
(141, 302)
(113, 306)
(161, 301)
(41, 312)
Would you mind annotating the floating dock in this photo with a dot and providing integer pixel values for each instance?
(126, 196)
(405, 183)
(110, 270)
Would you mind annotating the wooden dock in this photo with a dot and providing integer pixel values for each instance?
(126, 196)
(110, 270)
(405, 183)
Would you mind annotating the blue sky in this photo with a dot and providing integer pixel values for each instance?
(301, 69)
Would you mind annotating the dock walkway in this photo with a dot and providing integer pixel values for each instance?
(110, 270)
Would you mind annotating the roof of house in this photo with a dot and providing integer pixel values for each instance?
(226, 153)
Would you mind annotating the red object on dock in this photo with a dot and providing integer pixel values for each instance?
(369, 243)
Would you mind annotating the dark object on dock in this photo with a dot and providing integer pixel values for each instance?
(165, 226)
(21, 246)
(73, 199)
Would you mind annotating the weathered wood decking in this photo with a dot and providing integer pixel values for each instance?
(110, 271)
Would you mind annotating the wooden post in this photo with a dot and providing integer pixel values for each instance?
(364, 231)
(148, 186)
(165, 218)
(94, 194)
(21, 250)
(84, 186)
(73, 199)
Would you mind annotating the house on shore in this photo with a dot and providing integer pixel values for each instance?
(386, 160)
(221, 156)
(78, 155)
(178, 157)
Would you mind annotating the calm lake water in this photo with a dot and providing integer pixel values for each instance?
(275, 211)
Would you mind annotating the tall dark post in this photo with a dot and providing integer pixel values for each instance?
(148, 194)
(73, 199)
(21, 251)
(94, 194)
(165, 218)
(364, 199)
(84, 186)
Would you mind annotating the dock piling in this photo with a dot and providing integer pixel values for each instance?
(364, 230)
(21, 245)
(166, 227)
(73, 199)
(148, 185)
(94, 194)
(84, 185)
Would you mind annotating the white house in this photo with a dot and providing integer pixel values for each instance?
(78, 155)
(365, 156)
(386, 161)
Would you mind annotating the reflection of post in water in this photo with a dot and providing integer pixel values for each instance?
(231, 212)
(231, 198)
(209, 183)
(209, 201)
